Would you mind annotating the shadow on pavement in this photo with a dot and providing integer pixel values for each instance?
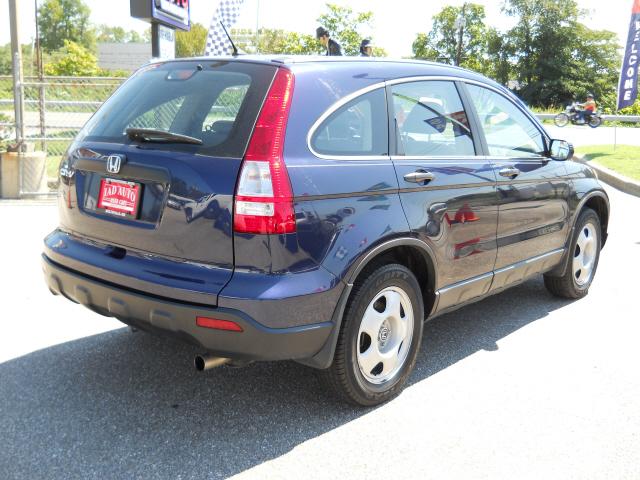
(131, 405)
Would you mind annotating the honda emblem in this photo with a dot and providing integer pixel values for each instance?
(114, 163)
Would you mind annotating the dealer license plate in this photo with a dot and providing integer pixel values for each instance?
(118, 197)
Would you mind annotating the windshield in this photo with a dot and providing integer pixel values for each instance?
(214, 102)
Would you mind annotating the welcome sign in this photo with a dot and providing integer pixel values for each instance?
(628, 86)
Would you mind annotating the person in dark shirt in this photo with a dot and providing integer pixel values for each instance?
(333, 47)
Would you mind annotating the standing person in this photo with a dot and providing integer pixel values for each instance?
(333, 47)
(366, 48)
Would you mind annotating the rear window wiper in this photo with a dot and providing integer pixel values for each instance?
(160, 136)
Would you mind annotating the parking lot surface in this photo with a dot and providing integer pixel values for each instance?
(521, 385)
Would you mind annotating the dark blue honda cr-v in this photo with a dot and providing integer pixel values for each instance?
(315, 209)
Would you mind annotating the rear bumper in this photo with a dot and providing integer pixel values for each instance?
(177, 319)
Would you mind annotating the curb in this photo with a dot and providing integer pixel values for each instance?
(625, 184)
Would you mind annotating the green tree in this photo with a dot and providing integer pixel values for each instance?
(346, 26)
(29, 62)
(283, 42)
(275, 41)
(543, 39)
(135, 37)
(632, 110)
(62, 20)
(421, 48)
(109, 34)
(6, 65)
(191, 43)
(73, 60)
(596, 66)
(106, 33)
(556, 58)
(442, 42)
(498, 57)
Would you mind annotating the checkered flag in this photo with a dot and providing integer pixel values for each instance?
(217, 42)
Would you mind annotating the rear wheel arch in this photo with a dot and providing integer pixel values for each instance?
(411, 253)
(379, 338)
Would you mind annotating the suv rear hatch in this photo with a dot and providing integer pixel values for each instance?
(150, 179)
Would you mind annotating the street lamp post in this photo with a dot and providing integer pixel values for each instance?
(459, 25)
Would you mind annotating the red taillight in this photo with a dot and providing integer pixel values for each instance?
(264, 200)
(218, 324)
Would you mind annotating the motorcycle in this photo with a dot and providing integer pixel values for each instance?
(571, 115)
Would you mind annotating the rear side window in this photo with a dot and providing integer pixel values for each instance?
(358, 128)
(216, 102)
(430, 120)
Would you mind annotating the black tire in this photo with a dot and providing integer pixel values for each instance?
(344, 376)
(561, 120)
(595, 121)
(570, 285)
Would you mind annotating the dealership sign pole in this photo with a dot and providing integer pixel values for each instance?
(628, 86)
(165, 17)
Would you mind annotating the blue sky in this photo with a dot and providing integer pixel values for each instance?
(395, 23)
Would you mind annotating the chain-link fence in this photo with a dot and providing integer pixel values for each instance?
(55, 109)
(7, 125)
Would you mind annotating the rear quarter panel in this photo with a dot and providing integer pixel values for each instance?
(344, 207)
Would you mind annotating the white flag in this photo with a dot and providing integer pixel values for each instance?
(217, 42)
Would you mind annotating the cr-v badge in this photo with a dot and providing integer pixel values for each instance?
(114, 163)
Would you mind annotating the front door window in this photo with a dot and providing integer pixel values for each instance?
(509, 132)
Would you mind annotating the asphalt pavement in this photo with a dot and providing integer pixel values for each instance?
(521, 385)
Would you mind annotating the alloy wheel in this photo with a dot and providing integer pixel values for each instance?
(584, 254)
(385, 335)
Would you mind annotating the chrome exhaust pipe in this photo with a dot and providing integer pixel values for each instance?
(205, 362)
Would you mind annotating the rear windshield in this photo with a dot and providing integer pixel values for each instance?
(216, 102)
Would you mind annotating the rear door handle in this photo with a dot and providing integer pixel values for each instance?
(509, 172)
(419, 176)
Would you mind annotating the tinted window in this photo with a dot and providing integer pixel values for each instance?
(509, 132)
(430, 120)
(217, 103)
(160, 116)
(358, 128)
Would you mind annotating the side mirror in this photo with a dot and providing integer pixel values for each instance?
(560, 150)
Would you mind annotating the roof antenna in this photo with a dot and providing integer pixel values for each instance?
(233, 45)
